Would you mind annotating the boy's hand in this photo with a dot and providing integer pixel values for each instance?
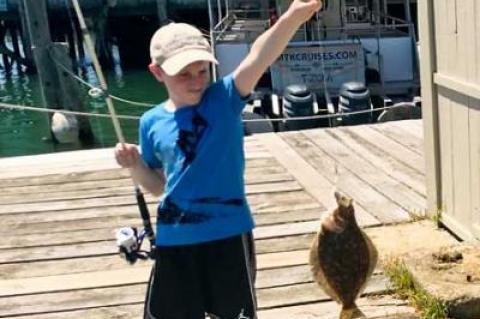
(127, 155)
(303, 10)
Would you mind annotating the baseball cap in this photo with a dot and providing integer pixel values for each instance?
(176, 45)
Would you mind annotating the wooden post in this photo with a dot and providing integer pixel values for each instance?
(71, 42)
(16, 47)
(25, 38)
(49, 76)
(79, 39)
(71, 96)
(162, 12)
(6, 64)
(428, 68)
(39, 34)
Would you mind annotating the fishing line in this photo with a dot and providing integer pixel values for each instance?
(325, 88)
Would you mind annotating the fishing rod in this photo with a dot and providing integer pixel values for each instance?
(129, 240)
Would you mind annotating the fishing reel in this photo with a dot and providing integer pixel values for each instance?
(129, 242)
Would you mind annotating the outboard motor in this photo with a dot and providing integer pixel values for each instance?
(354, 96)
(298, 101)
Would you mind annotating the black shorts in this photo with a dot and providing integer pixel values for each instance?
(214, 278)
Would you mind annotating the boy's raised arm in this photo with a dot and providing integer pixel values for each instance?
(268, 46)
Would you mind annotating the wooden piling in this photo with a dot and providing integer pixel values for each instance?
(79, 41)
(13, 29)
(71, 42)
(25, 38)
(46, 56)
(71, 96)
(162, 12)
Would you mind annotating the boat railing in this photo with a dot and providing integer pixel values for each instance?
(247, 25)
(240, 26)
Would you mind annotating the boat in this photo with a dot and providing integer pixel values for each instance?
(351, 56)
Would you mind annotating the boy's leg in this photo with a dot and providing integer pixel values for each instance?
(230, 273)
(174, 288)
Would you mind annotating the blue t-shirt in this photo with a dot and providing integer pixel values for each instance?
(200, 150)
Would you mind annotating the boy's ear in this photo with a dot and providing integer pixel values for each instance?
(156, 71)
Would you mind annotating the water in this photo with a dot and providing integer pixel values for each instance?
(27, 132)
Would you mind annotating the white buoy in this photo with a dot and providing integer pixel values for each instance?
(64, 127)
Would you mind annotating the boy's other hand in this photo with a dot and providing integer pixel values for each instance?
(127, 155)
(303, 10)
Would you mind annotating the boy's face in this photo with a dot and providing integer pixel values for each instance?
(188, 85)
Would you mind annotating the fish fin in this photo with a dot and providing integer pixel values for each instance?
(352, 313)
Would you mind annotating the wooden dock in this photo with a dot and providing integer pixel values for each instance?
(58, 257)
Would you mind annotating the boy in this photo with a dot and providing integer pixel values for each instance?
(192, 154)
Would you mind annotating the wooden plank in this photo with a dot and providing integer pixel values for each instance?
(384, 161)
(68, 301)
(460, 153)
(128, 199)
(414, 127)
(23, 231)
(457, 85)
(78, 157)
(56, 179)
(124, 276)
(451, 23)
(108, 246)
(412, 133)
(18, 224)
(252, 176)
(315, 183)
(285, 244)
(253, 165)
(469, 38)
(434, 37)
(281, 202)
(402, 195)
(385, 239)
(308, 293)
(432, 61)
(55, 196)
(477, 43)
(474, 125)
(446, 146)
(132, 311)
(320, 188)
(102, 228)
(282, 295)
(75, 162)
(102, 261)
(406, 139)
(462, 29)
(396, 150)
(365, 196)
(385, 307)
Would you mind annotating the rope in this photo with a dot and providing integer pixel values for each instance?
(131, 117)
(95, 91)
(43, 110)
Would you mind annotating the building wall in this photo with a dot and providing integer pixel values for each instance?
(450, 62)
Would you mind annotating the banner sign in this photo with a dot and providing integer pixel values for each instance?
(317, 64)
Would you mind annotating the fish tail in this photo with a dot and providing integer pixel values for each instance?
(351, 313)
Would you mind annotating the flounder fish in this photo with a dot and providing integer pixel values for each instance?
(342, 257)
